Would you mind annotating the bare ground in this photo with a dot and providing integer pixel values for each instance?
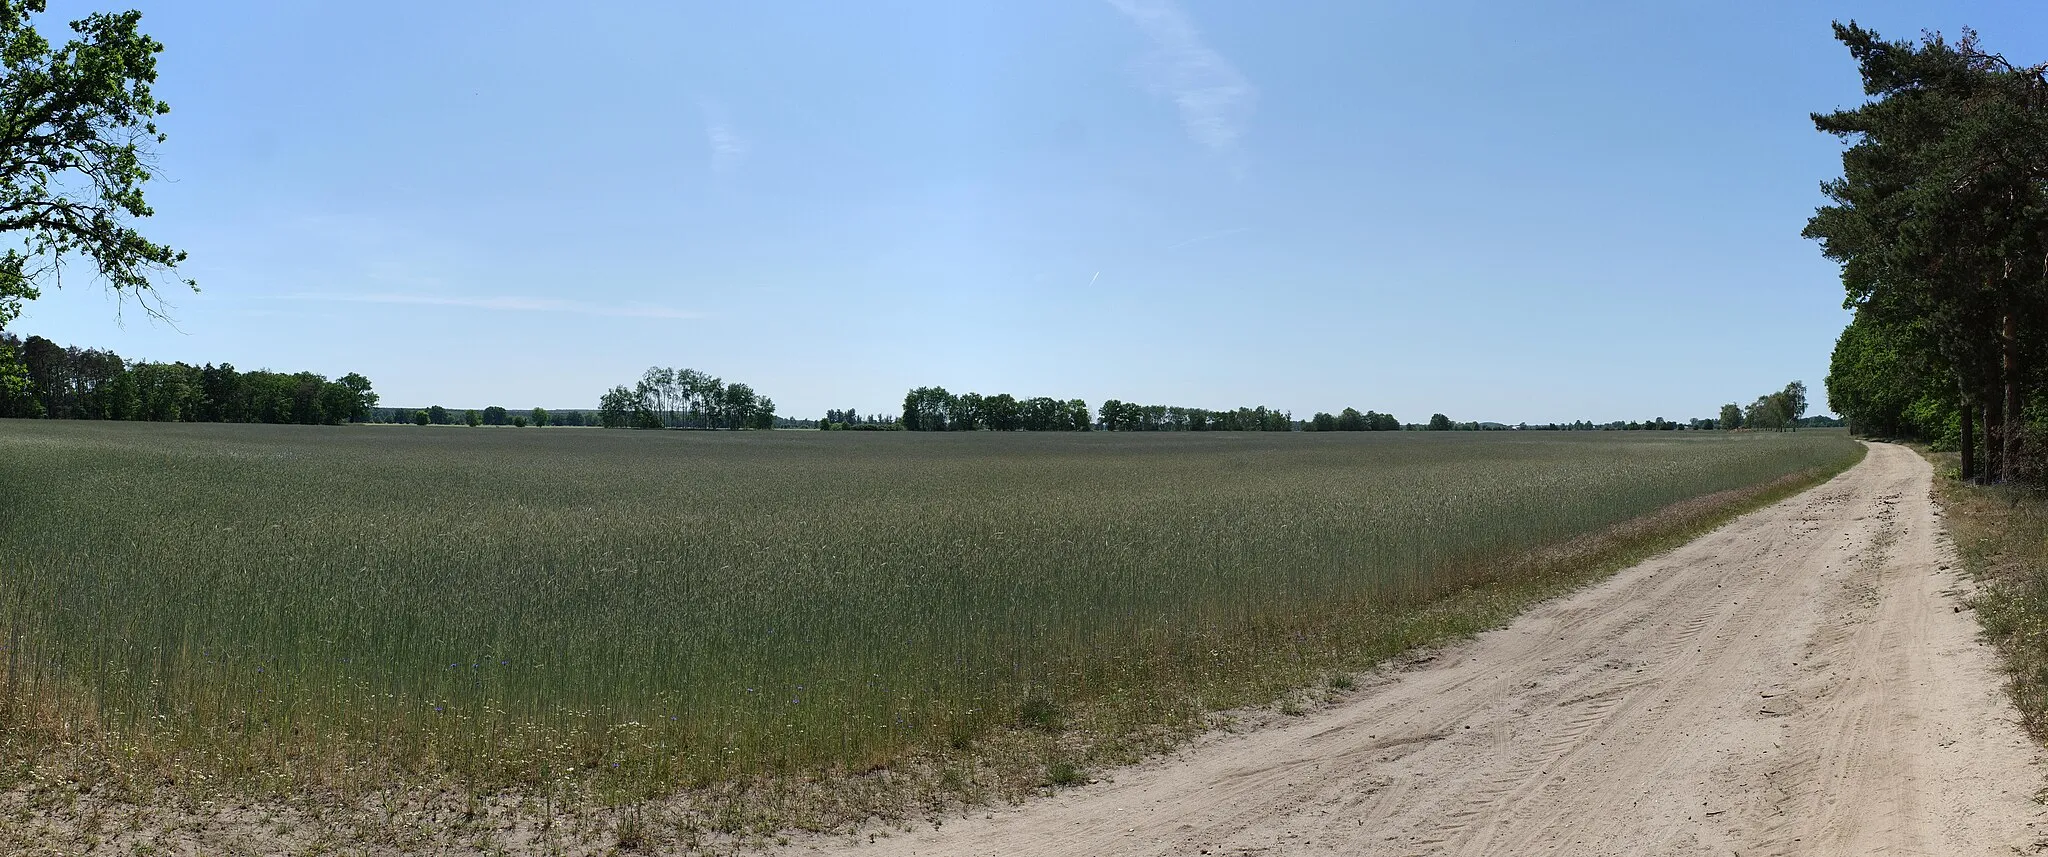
(1805, 680)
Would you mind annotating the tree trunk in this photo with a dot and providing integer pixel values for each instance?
(1969, 442)
(2009, 426)
(1994, 432)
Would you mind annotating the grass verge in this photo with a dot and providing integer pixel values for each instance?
(2001, 535)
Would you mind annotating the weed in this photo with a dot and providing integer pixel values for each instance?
(1063, 774)
(1038, 711)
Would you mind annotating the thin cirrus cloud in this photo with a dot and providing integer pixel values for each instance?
(507, 303)
(1209, 237)
(1214, 98)
(726, 145)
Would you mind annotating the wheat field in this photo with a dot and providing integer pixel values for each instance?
(652, 611)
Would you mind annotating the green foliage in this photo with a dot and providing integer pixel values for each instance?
(926, 409)
(1063, 773)
(540, 417)
(1884, 387)
(360, 399)
(76, 125)
(421, 417)
(1439, 422)
(1352, 420)
(16, 396)
(471, 418)
(712, 605)
(1940, 224)
(934, 409)
(1118, 415)
(685, 398)
(615, 409)
(496, 416)
(1038, 711)
(1773, 411)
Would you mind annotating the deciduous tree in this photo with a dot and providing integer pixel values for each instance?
(77, 127)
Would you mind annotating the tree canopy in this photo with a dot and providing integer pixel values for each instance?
(93, 384)
(684, 398)
(77, 123)
(1939, 221)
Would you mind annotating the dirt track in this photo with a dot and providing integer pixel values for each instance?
(1797, 682)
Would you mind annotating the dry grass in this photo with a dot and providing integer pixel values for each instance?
(2001, 535)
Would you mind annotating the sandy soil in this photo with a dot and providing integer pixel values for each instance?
(1805, 680)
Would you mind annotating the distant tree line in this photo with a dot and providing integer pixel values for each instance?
(491, 416)
(934, 409)
(1131, 416)
(852, 420)
(56, 382)
(1939, 221)
(1779, 411)
(1351, 420)
(684, 398)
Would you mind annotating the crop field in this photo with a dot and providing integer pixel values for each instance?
(643, 612)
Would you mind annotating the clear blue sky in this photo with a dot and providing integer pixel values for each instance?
(1500, 211)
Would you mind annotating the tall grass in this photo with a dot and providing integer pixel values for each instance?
(648, 611)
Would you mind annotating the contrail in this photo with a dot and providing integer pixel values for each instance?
(1091, 280)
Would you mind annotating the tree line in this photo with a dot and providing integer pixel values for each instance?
(1351, 420)
(684, 398)
(1939, 221)
(935, 409)
(1779, 411)
(491, 416)
(56, 382)
(1130, 416)
(850, 419)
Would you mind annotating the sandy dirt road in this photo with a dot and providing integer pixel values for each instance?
(1798, 682)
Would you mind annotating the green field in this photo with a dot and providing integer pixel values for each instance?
(650, 611)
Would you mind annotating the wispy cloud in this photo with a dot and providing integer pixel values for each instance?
(1214, 98)
(1209, 237)
(727, 147)
(506, 303)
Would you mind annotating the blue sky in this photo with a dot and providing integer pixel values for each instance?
(1506, 211)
